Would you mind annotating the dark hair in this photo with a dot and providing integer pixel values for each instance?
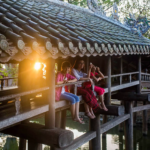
(65, 64)
(76, 64)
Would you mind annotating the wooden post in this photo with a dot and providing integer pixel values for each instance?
(34, 146)
(104, 143)
(22, 144)
(24, 80)
(129, 126)
(108, 82)
(139, 75)
(121, 72)
(63, 119)
(134, 114)
(95, 126)
(138, 89)
(58, 119)
(121, 69)
(144, 125)
(108, 97)
(120, 141)
(87, 64)
(50, 79)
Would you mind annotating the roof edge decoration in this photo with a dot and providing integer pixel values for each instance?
(42, 29)
(138, 25)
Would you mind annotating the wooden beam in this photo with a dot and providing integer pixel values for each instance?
(141, 108)
(37, 133)
(92, 134)
(111, 124)
(131, 96)
(50, 79)
(8, 97)
(112, 110)
(22, 116)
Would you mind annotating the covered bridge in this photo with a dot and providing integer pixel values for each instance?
(49, 32)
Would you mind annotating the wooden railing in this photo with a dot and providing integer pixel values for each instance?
(145, 77)
(124, 74)
(6, 79)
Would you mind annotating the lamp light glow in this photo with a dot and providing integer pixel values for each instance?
(37, 66)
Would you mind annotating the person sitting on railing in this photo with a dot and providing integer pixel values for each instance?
(60, 93)
(91, 103)
(96, 75)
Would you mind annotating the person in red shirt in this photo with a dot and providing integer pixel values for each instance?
(97, 75)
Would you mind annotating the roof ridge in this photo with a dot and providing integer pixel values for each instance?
(75, 7)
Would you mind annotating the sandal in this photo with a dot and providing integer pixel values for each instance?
(89, 115)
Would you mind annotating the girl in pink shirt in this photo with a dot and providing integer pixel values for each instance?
(61, 94)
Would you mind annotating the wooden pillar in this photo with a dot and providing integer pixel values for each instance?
(139, 75)
(120, 141)
(129, 126)
(134, 114)
(50, 80)
(22, 144)
(57, 119)
(34, 146)
(24, 78)
(87, 64)
(138, 89)
(108, 95)
(108, 82)
(121, 71)
(104, 143)
(63, 119)
(95, 126)
(144, 125)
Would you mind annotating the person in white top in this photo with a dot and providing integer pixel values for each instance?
(88, 96)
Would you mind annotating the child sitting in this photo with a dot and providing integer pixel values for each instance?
(62, 78)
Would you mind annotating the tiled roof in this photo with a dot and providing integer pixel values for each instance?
(51, 29)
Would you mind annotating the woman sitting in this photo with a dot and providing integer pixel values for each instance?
(91, 103)
(62, 78)
(96, 75)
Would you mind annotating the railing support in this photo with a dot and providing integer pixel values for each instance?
(50, 80)
(129, 126)
(121, 69)
(95, 126)
(34, 146)
(22, 144)
(144, 125)
(139, 75)
(108, 96)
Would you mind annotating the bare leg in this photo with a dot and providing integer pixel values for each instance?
(91, 111)
(88, 112)
(72, 111)
(86, 107)
(101, 99)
